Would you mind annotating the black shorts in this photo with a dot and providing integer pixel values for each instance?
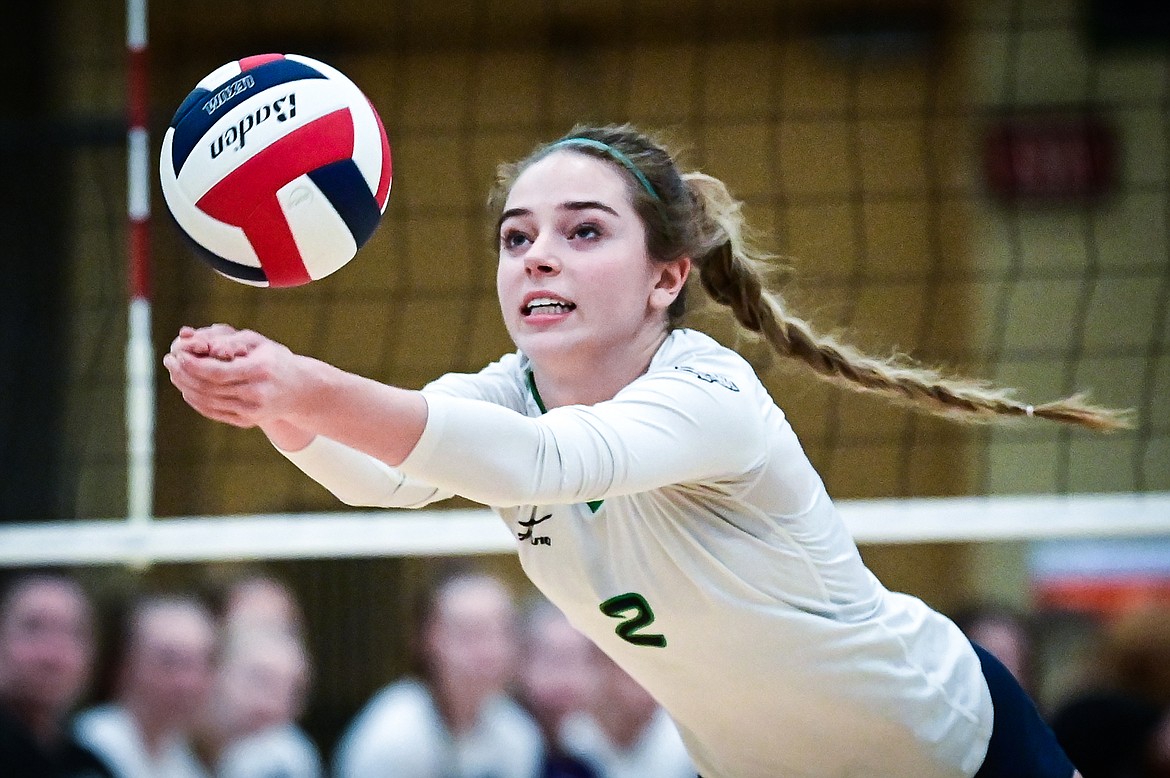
(1022, 744)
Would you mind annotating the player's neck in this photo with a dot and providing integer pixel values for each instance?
(589, 381)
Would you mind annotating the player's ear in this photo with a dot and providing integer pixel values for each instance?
(669, 283)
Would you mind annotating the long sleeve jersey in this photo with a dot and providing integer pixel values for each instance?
(681, 526)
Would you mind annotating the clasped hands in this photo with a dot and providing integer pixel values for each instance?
(239, 377)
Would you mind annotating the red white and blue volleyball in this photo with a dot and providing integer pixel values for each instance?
(276, 169)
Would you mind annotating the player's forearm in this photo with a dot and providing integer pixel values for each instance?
(383, 421)
(287, 436)
(359, 479)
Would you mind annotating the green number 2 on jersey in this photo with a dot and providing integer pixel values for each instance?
(637, 615)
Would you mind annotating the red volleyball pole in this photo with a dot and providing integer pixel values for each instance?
(140, 402)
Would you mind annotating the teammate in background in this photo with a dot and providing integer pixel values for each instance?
(626, 733)
(558, 680)
(453, 717)
(659, 496)
(1006, 633)
(261, 682)
(46, 660)
(163, 675)
(257, 600)
(249, 729)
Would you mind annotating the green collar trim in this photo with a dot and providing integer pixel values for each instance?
(535, 392)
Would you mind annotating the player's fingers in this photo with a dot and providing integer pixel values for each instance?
(217, 329)
(242, 400)
(237, 398)
(170, 361)
(198, 340)
(226, 400)
(236, 343)
(188, 340)
(218, 412)
(219, 371)
(226, 351)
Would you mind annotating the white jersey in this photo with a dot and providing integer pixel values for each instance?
(682, 528)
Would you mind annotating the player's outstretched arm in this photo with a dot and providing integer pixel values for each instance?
(243, 378)
(284, 435)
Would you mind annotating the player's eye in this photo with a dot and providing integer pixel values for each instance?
(588, 231)
(512, 238)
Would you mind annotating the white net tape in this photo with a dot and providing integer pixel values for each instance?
(355, 534)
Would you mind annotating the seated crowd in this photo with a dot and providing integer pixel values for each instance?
(202, 687)
(214, 687)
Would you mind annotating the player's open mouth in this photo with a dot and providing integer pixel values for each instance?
(546, 306)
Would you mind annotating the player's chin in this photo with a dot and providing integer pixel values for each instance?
(533, 340)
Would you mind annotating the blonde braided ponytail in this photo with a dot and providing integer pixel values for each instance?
(731, 274)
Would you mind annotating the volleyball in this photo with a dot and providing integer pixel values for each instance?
(276, 169)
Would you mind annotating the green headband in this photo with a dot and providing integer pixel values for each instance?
(625, 161)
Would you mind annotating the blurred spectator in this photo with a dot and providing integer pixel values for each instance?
(1007, 634)
(627, 735)
(257, 600)
(46, 660)
(259, 691)
(454, 719)
(1113, 728)
(163, 675)
(558, 679)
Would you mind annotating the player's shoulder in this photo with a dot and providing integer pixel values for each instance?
(696, 356)
(502, 382)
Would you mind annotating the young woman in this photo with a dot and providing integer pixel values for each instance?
(658, 494)
(453, 715)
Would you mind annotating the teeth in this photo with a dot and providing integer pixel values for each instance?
(548, 305)
(549, 308)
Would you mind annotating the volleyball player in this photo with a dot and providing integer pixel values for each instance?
(658, 494)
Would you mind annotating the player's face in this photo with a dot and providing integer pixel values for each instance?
(574, 278)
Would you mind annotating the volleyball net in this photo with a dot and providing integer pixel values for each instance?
(430, 533)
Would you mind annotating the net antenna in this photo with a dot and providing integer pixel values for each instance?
(140, 410)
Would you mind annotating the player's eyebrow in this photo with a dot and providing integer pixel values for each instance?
(570, 205)
(586, 205)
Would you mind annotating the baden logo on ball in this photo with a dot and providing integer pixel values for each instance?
(276, 169)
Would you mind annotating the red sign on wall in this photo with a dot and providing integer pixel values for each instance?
(1050, 159)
